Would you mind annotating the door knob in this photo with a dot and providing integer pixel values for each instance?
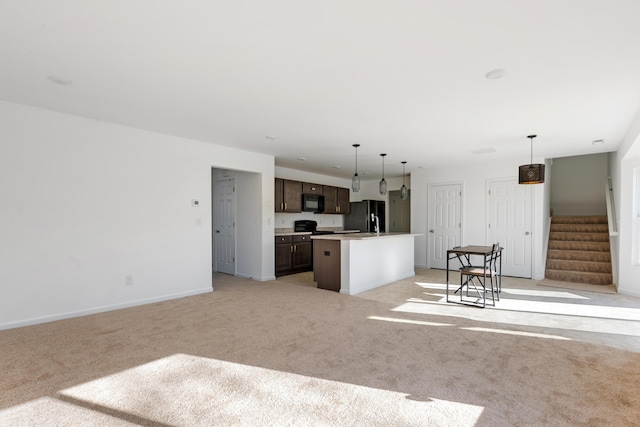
(526, 233)
(431, 231)
(217, 231)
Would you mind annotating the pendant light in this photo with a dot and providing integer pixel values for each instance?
(531, 173)
(383, 183)
(355, 181)
(404, 193)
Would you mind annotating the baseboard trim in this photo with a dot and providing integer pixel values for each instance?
(259, 279)
(627, 292)
(101, 309)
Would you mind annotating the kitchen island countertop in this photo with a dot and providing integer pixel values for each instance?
(354, 263)
(359, 236)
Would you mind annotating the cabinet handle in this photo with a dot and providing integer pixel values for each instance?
(291, 248)
(295, 248)
(285, 206)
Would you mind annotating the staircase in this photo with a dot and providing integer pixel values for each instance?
(579, 250)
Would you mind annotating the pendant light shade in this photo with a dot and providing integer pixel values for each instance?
(383, 183)
(404, 193)
(355, 181)
(531, 173)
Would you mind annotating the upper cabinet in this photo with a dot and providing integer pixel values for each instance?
(288, 196)
(311, 188)
(336, 200)
(343, 201)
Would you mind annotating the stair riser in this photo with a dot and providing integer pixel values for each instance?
(579, 246)
(578, 277)
(581, 228)
(586, 266)
(579, 237)
(578, 255)
(579, 220)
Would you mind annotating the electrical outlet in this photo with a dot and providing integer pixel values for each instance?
(128, 280)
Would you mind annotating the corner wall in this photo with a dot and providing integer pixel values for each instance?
(86, 204)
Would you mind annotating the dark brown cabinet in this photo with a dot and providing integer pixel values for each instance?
(311, 188)
(343, 201)
(302, 253)
(284, 249)
(326, 264)
(288, 196)
(294, 254)
(336, 200)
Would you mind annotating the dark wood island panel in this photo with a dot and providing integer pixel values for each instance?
(326, 264)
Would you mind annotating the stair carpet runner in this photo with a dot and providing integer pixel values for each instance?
(579, 250)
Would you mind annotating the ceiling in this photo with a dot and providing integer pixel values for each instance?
(305, 80)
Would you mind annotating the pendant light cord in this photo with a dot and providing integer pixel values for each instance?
(531, 139)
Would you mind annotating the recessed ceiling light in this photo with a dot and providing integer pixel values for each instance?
(302, 159)
(498, 73)
(271, 138)
(597, 141)
(59, 81)
(337, 167)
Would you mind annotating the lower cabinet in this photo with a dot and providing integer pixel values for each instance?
(294, 254)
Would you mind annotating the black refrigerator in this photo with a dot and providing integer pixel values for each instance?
(359, 217)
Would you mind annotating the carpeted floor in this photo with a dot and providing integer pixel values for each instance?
(286, 353)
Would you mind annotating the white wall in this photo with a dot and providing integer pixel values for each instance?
(86, 203)
(474, 180)
(622, 164)
(578, 185)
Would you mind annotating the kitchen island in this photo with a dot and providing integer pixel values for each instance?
(354, 263)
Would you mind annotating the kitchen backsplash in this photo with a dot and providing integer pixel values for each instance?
(286, 220)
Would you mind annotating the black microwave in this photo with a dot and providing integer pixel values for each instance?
(312, 203)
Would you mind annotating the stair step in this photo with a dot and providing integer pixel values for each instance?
(579, 277)
(579, 237)
(578, 255)
(573, 265)
(581, 228)
(579, 246)
(579, 219)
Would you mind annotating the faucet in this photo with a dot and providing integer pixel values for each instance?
(375, 219)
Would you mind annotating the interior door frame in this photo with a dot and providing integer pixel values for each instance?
(429, 219)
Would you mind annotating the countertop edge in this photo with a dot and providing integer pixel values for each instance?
(361, 236)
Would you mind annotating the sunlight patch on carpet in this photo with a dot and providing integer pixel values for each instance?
(565, 317)
(189, 390)
(519, 333)
(409, 321)
(548, 294)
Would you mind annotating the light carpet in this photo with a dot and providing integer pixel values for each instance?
(285, 353)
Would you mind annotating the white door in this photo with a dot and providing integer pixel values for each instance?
(225, 226)
(510, 224)
(445, 228)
